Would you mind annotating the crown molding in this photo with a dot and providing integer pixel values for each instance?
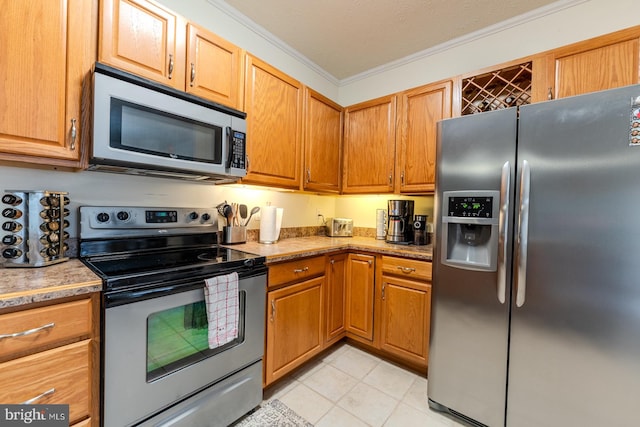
(272, 39)
(468, 38)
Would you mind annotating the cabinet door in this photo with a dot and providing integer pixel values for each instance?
(294, 327)
(335, 298)
(596, 65)
(322, 143)
(273, 102)
(405, 312)
(360, 295)
(214, 67)
(143, 38)
(420, 110)
(369, 146)
(47, 50)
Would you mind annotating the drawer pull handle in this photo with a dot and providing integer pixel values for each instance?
(28, 332)
(301, 270)
(38, 397)
(406, 269)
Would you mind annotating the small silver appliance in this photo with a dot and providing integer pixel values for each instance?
(399, 222)
(339, 227)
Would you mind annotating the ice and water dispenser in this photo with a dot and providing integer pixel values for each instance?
(470, 229)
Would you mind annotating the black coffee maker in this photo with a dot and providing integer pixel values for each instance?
(420, 232)
(400, 221)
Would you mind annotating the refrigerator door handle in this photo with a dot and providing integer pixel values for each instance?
(503, 226)
(522, 235)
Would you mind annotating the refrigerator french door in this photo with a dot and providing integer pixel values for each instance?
(536, 311)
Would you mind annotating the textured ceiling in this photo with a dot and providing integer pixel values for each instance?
(349, 37)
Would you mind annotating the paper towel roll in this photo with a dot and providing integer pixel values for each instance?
(270, 222)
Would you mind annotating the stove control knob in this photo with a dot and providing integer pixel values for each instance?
(193, 216)
(206, 217)
(122, 215)
(11, 199)
(11, 226)
(103, 217)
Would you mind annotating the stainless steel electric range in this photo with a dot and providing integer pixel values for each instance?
(158, 367)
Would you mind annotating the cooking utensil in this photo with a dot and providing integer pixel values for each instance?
(243, 212)
(228, 213)
(220, 208)
(254, 210)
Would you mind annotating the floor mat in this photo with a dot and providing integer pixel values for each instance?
(273, 414)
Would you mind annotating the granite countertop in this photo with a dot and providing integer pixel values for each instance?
(297, 247)
(21, 286)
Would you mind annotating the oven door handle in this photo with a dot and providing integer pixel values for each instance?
(126, 297)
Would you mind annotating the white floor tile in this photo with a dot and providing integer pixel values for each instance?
(330, 382)
(416, 396)
(369, 404)
(390, 379)
(406, 416)
(308, 369)
(280, 388)
(306, 403)
(355, 362)
(338, 417)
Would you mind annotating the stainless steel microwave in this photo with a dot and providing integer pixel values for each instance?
(144, 128)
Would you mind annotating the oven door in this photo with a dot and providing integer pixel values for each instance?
(156, 350)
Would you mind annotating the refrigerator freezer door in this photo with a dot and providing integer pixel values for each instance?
(470, 317)
(575, 339)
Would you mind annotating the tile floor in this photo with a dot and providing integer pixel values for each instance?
(351, 388)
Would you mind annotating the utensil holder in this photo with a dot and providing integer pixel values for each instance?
(234, 234)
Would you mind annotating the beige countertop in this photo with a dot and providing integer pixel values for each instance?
(21, 286)
(292, 248)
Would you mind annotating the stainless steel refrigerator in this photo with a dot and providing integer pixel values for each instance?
(536, 291)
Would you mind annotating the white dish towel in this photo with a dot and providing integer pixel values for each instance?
(221, 299)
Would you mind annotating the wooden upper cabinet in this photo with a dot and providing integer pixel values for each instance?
(146, 39)
(47, 50)
(322, 143)
(602, 63)
(143, 38)
(420, 110)
(273, 102)
(214, 67)
(369, 146)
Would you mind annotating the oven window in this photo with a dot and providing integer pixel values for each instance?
(146, 130)
(178, 337)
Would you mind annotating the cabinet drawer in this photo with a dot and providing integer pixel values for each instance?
(409, 268)
(296, 270)
(36, 328)
(65, 370)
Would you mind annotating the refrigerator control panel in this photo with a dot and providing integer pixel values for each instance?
(471, 207)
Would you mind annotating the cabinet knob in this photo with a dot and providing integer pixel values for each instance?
(333, 261)
(550, 93)
(273, 309)
(384, 285)
(193, 74)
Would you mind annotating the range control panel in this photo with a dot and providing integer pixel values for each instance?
(111, 221)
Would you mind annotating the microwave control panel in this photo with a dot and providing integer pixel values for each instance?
(237, 148)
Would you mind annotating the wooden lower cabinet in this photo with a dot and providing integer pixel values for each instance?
(50, 355)
(294, 326)
(335, 298)
(403, 318)
(360, 296)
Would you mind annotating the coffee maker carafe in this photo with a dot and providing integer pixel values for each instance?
(399, 221)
